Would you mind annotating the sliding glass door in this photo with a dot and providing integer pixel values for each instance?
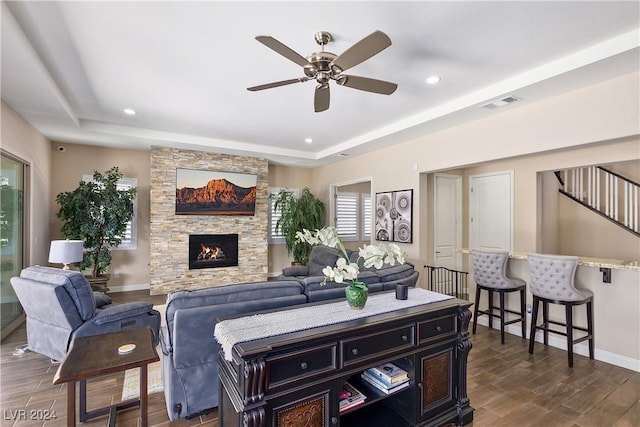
(12, 232)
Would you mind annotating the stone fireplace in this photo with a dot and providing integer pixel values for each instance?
(213, 251)
(171, 267)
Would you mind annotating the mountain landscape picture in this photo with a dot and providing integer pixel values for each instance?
(200, 192)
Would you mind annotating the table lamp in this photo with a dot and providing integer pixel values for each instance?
(65, 252)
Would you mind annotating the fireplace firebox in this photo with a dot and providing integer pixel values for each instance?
(213, 250)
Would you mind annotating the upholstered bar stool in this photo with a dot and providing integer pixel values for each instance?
(552, 281)
(489, 269)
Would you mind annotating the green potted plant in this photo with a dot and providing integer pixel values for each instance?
(296, 214)
(97, 212)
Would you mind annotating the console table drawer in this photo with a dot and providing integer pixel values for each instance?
(438, 328)
(362, 348)
(283, 369)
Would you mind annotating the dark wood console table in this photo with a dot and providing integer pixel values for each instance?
(295, 378)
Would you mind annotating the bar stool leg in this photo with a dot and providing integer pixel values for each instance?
(490, 309)
(501, 317)
(523, 313)
(590, 328)
(569, 311)
(475, 309)
(534, 321)
(545, 322)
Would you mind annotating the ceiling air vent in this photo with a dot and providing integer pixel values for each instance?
(501, 102)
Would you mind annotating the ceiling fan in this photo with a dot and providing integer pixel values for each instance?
(326, 66)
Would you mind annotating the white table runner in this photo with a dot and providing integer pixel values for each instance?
(248, 328)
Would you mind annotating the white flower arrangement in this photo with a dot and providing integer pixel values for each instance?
(345, 270)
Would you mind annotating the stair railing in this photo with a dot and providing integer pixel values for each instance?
(609, 194)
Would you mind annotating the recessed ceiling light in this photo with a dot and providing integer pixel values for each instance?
(308, 140)
(433, 80)
(129, 111)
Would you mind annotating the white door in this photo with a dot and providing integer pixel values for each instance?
(448, 220)
(491, 211)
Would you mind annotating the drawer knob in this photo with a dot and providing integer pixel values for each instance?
(405, 338)
(304, 365)
(438, 328)
(354, 351)
(334, 420)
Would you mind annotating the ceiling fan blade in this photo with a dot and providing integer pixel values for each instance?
(321, 98)
(362, 50)
(276, 84)
(367, 84)
(284, 50)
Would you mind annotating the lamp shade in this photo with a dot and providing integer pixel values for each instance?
(65, 252)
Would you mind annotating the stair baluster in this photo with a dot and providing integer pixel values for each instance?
(605, 192)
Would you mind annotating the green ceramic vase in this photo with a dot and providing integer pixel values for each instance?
(357, 295)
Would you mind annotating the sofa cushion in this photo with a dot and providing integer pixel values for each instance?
(320, 257)
(410, 280)
(74, 283)
(296, 270)
(102, 299)
(119, 312)
(395, 272)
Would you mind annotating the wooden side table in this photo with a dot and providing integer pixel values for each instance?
(98, 355)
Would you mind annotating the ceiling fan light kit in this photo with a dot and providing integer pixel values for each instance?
(326, 66)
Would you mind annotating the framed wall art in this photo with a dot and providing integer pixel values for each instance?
(201, 192)
(394, 211)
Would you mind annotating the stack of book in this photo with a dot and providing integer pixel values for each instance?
(387, 378)
(350, 397)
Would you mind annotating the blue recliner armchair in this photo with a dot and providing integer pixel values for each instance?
(60, 306)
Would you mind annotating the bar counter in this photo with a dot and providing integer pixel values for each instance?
(617, 264)
(615, 286)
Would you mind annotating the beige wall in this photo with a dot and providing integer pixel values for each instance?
(598, 124)
(529, 214)
(564, 127)
(22, 140)
(291, 177)
(132, 266)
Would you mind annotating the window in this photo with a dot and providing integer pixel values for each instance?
(14, 223)
(366, 216)
(347, 215)
(353, 216)
(274, 215)
(129, 240)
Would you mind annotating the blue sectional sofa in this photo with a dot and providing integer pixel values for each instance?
(190, 353)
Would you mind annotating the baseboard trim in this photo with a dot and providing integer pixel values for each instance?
(561, 343)
(129, 288)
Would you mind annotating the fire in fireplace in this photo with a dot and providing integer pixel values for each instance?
(213, 250)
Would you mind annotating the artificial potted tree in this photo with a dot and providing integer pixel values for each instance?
(296, 214)
(97, 212)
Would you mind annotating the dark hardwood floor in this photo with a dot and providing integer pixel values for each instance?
(506, 385)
